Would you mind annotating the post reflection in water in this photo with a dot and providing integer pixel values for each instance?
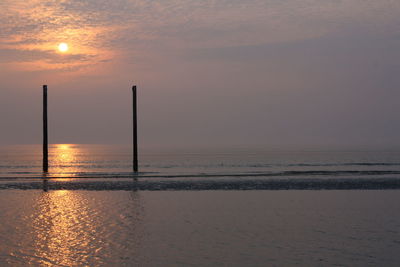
(45, 182)
(73, 228)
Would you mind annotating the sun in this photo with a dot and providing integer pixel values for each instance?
(63, 47)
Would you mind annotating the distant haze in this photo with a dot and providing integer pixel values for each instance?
(259, 73)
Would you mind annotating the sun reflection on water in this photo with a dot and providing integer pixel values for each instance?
(64, 161)
(60, 239)
(78, 228)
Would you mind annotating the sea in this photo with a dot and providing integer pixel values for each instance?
(110, 167)
(200, 207)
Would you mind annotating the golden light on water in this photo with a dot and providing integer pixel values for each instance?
(63, 146)
(63, 47)
(64, 161)
(64, 229)
(76, 228)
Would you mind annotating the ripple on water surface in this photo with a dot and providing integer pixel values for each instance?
(246, 228)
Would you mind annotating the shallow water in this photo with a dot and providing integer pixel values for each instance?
(90, 209)
(200, 228)
(20, 167)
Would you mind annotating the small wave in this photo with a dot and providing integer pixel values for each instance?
(307, 173)
(236, 166)
(260, 184)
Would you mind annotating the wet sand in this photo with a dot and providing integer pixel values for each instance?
(200, 228)
(202, 183)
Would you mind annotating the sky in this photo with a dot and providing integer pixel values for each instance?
(276, 74)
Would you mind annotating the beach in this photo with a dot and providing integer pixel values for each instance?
(198, 208)
(199, 133)
(198, 228)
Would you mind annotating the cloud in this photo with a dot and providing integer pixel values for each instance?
(268, 71)
(105, 28)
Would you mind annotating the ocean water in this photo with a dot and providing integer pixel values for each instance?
(110, 167)
(200, 228)
(198, 208)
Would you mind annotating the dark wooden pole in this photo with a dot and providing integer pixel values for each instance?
(45, 140)
(135, 144)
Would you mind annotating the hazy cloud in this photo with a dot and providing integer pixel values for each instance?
(212, 72)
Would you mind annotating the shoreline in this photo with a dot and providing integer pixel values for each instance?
(132, 184)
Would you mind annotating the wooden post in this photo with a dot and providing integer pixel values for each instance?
(135, 144)
(45, 140)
